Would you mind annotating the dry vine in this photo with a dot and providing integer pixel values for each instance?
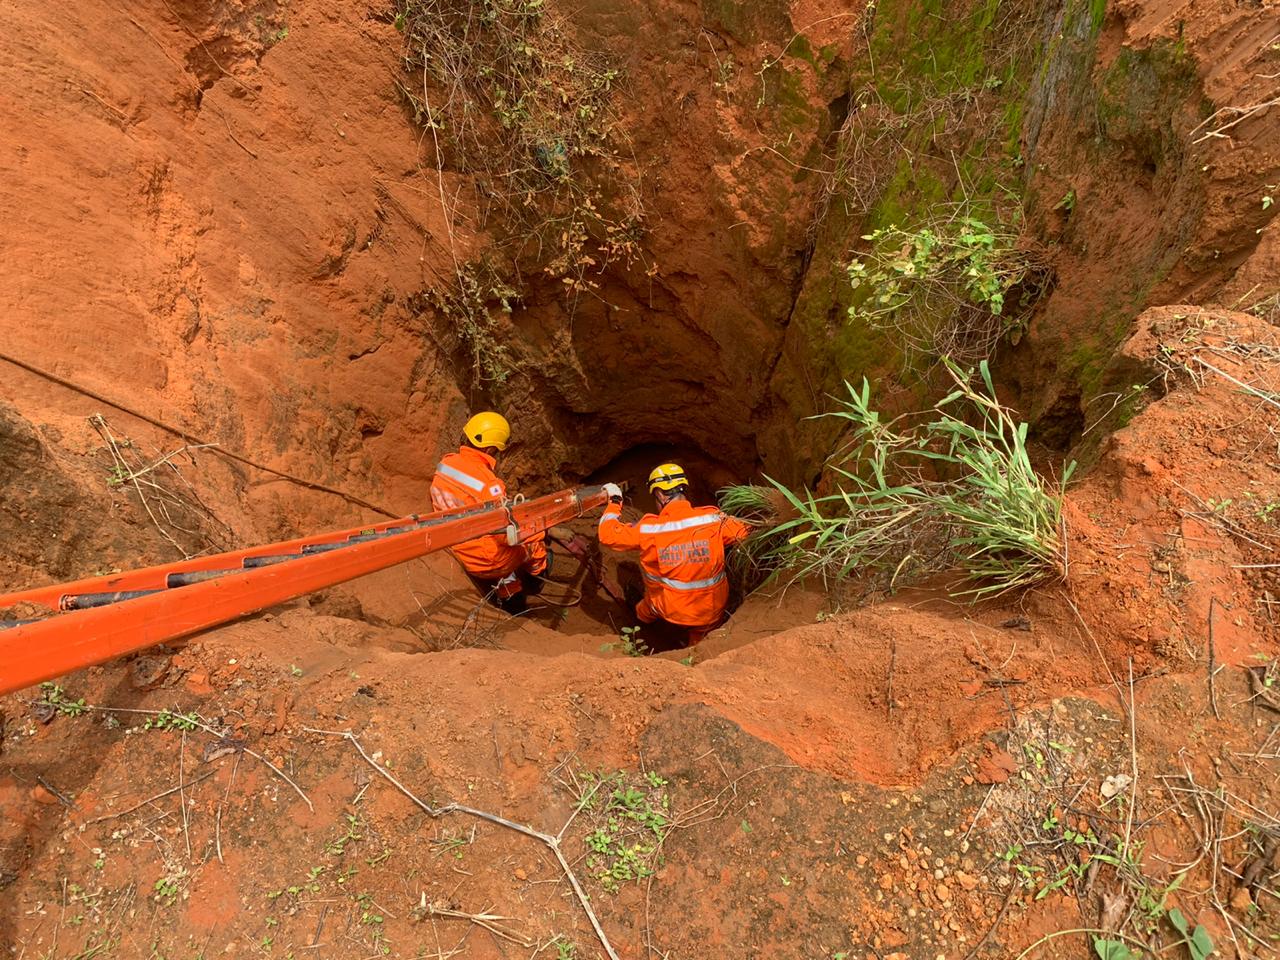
(514, 104)
(168, 505)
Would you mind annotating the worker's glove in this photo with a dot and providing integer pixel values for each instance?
(614, 492)
(443, 500)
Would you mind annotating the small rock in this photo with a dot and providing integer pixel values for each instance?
(966, 881)
(996, 767)
(521, 875)
(893, 937)
(146, 673)
(198, 683)
(40, 795)
(43, 712)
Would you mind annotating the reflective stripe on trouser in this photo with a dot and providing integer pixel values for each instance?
(685, 603)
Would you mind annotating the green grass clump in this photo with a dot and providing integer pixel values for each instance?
(914, 497)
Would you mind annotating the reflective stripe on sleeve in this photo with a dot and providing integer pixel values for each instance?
(684, 584)
(453, 473)
(686, 524)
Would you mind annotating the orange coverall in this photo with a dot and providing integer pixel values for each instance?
(682, 556)
(466, 478)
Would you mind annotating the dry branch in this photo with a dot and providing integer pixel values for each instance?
(217, 733)
(551, 842)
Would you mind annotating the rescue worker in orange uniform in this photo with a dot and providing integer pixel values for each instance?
(682, 553)
(466, 478)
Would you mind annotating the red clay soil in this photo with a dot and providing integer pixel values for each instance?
(834, 786)
(223, 216)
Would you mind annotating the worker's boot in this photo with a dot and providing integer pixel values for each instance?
(508, 595)
(515, 604)
(534, 582)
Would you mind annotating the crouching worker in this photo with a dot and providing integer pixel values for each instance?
(466, 478)
(682, 553)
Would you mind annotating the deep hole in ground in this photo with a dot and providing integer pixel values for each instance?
(260, 257)
(707, 476)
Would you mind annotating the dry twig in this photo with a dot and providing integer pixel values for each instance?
(217, 733)
(1213, 692)
(551, 842)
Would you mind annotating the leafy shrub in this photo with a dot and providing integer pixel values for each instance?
(947, 289)
(470, 308)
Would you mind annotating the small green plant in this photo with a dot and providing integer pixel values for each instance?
(451, 844)
(1113, 950)
(918, 496)
(944, 289)
(170, 720)
(352, 833)
(166, 890)
(56, 697)
(1197, 940)
(565, 950)
(629, 643)
(372, 918)
(629, 817)
(1067, 203)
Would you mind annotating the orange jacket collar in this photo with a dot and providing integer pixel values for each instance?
(677, 508)
(488, 460)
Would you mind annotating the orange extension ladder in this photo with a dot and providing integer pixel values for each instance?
(106, 617)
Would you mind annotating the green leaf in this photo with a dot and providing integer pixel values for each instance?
(1200, 944)
(1112, 950)
(1179, 921)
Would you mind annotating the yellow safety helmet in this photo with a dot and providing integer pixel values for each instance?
(488, 429)
(669, 476)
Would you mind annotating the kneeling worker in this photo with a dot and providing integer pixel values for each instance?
(466, 478)
(682, 550)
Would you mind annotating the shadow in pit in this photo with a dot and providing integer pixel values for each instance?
(30, 821)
